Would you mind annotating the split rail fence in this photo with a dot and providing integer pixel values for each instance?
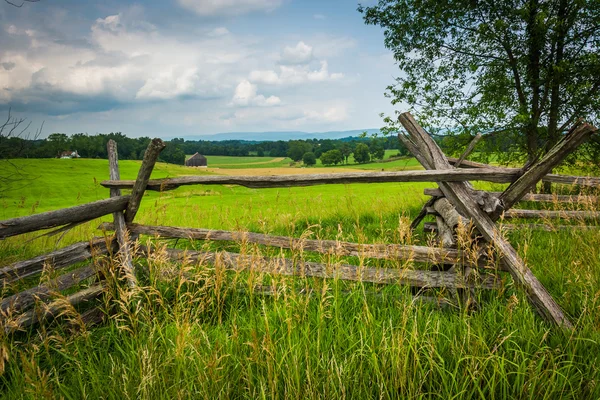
(455, 203)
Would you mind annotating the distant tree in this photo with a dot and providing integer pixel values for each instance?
(361, 153)
(172, 154)
(297, 148)
(58, 142)
(377, 149)
(346, 151)
(332, 157)
(260, 152)
(324, 146)
(15, 141)
(309, 158)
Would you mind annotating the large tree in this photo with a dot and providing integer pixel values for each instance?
(528, 68)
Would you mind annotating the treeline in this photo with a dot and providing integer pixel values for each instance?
(499, 148)
(87, 146)
(330, 151)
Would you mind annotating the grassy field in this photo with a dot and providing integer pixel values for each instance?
(208, 333)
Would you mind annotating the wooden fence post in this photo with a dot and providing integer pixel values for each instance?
(463, 198)
(150, 157)
(118, 217)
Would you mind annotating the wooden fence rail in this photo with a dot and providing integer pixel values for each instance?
(71, 215)
(491, 175)
(57, 259)
(591, 181)
(541, 197)
(284, 266)
(421, 254)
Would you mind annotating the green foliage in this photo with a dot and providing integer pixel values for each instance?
(309, 158)
(332, 157)
(297, 148)
(361, 153)
(173, 154)
(376, 149)
(526, 69)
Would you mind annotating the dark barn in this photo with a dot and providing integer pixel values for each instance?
(197, 160)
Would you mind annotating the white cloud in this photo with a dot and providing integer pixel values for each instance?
(173, 82)
(299, 54)
(293, 75)
(331, 114)
(120, 72)
(220, 31)
(319, 16)
(228, 7)
(246, 95)
(125, 60)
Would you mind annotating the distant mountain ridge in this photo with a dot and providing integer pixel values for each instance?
(278, 135)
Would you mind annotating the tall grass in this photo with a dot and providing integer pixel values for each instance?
(195, 330)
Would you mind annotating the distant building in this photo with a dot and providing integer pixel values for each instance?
(69, 154)
(197, 160)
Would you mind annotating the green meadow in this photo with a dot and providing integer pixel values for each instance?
(192, 330)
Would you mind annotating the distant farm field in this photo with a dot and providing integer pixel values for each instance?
(231, 162)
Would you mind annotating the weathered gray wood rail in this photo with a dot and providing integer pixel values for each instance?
(53, 309)
(23, 300)
(432, 227)
(458, 175)
(565, 214)
(58, 259)
(421, 254)
(590, 181)
(541, 197)
(284, 266)
(51, 219)
(515, 213)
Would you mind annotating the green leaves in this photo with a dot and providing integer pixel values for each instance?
(530, 65)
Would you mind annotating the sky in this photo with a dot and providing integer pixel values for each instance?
(173, 68)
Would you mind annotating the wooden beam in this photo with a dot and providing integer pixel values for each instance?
(57, 260)
(284, 266)
(52, 310)
(540, 197)
(576, 136)
(566, 214)
(139, 186)
(432, 227)
(588, 181)
(493, 175)
(452, 218)
(445, 233)
(23, 300)
(460, 196)
(430, 255)
(119, 218)
(51, 219)
(468, 150)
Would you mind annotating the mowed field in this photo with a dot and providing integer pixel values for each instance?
(212, 335)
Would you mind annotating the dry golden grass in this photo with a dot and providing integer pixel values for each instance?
(281, 171)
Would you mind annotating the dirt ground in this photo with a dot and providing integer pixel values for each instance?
(280, 171)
